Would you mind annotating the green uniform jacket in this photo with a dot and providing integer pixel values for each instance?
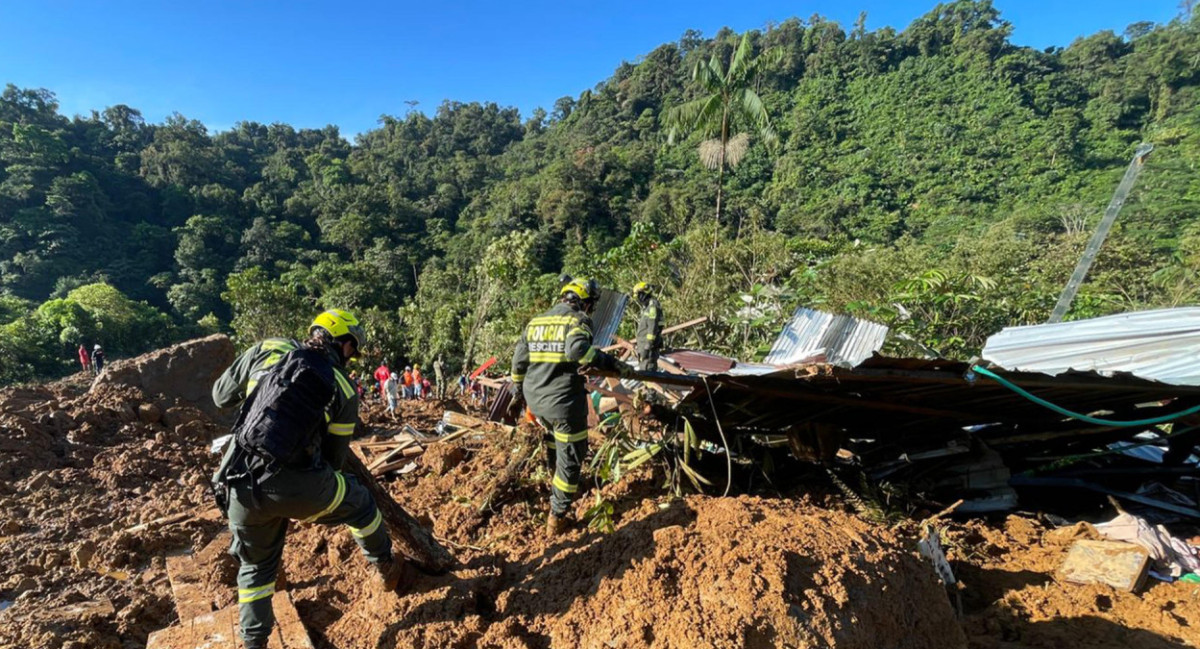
(240, 379)
(547, 360)
(649, 329)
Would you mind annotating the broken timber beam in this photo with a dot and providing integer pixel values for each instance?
(684, 325)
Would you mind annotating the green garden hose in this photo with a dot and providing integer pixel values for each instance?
(1075, 415)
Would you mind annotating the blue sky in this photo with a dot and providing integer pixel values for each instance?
(315, 63)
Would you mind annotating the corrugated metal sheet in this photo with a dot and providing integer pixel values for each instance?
(1161, 345)
(607, 317)
(815, 336)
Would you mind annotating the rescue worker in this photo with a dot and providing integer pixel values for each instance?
(545, 373)
(649, 328)
(439, 375)
(261, 511)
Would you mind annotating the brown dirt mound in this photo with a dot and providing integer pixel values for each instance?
(1011, 596)
(77, 470)
(719, 572)
(183, 372)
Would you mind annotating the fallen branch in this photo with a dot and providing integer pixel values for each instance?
(409, 537)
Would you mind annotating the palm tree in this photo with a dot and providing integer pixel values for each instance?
(728, 101)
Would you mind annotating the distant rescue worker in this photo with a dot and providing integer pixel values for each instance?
(545, 373)
(381, 374)
(439, 375)
(293, 432)
(97, 359)
(649, 328)
(408, 381)
(84, 358)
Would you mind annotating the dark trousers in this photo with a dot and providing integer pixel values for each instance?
(566, 447)
(321, 496)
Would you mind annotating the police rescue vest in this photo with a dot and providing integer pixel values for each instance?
(280, 424)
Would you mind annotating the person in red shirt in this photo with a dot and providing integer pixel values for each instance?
(84, 358)
(381, 374)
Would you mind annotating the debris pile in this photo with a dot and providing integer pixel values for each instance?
(107, 535)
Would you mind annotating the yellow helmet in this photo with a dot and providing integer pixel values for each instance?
(340, 323)
(640, 287)
(585, 289)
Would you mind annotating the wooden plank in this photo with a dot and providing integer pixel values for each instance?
(219, 630)
(467, 421)
(190, 598)
(684, 325)
(1120, 565)
(390, 455)
(394, 464)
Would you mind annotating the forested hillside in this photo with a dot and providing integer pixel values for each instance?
(939, 179)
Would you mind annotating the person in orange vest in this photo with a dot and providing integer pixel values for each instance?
(418, 392)
(408, 382)
(381, 374)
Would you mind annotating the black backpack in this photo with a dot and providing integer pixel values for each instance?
(280, 424)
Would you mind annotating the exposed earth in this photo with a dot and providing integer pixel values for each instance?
(101, 483)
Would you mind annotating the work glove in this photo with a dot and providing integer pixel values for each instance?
(625, 370)
(516, 391)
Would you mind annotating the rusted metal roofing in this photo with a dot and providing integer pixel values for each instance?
(697, 362)
(816, 336)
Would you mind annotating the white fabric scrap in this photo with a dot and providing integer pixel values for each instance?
(1170, 555)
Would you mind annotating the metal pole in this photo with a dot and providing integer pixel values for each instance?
(1093, 247)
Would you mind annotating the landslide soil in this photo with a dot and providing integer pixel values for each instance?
(81, 469)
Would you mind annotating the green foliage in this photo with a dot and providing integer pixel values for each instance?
(42, 341)
(939, 178)
(265, 307)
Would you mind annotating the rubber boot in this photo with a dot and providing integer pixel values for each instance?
(257, 643)
(556, 525)
(390, 574)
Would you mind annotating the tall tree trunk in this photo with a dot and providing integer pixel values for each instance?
(720, 187)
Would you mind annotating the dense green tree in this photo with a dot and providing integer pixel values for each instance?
(939, 178)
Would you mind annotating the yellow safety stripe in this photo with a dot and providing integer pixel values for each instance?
(652, 312)
(552, 320)
(347, 389)
(246, 595)
(587, 358)
(568, 438)
(547, 357)
(649, 336)
(517, 378)
(564, 486)
(337, 498)
(583, 330)
(250, 385)
(341, 429)
(370, 529)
